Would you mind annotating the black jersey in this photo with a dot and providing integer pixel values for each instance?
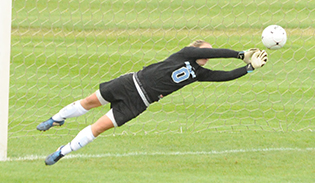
(180, 69)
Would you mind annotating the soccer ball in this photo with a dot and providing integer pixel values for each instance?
(274, 37)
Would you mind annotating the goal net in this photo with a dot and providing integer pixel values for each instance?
(62, 49)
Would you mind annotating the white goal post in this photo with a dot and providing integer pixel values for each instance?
(5, 40)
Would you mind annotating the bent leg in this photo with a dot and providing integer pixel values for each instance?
(74, 109)
(78, 108)
(88, 134)
(84, 137)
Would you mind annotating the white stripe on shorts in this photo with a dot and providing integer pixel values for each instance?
(100, 98)
(110, 115)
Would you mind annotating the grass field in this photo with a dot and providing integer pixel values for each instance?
(200, 157)
(258, 128)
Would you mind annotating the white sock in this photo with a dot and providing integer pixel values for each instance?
(72, 110)
(84, 137)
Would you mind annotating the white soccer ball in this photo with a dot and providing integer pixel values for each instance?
(274, 37)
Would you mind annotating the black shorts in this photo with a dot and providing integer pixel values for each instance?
(124, 98)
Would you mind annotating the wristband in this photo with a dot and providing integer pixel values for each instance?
(241, 55)
(249, 68)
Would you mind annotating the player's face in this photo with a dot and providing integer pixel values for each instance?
(203, 61)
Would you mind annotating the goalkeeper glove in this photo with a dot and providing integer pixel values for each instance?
(258, 60)
(247, 54)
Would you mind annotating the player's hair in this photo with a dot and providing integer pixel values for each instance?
(197, 43)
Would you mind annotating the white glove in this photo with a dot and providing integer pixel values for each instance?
(259, 59)
(247, 54)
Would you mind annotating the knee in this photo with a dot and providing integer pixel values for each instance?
(90, 102)
(101, 125)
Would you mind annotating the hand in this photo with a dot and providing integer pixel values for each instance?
(259, 59)
(247, 54)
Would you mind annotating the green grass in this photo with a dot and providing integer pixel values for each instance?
(200, 157)
(258, 128)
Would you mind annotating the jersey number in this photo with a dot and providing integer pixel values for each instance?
(183, 73)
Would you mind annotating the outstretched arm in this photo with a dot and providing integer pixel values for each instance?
(198, 53)
(258, 60)
(217, 75)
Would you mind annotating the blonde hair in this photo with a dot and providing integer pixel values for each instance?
(197, 43)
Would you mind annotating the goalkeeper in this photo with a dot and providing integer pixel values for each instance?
(131, 94)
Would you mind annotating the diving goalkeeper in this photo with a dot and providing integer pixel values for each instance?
(129, 95)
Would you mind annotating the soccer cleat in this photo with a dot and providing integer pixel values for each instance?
(46, 125)
(54, 157)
